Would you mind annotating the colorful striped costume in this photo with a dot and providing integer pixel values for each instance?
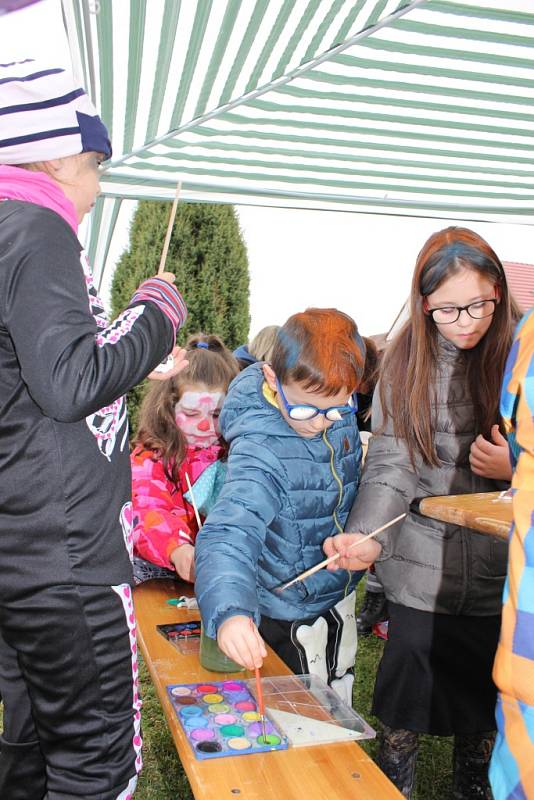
(512, 766)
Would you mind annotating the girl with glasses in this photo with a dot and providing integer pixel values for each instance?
(438, 392)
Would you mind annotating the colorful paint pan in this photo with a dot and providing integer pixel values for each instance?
(239, 743)
(212, 698)
(190, 711)
(186, 700)
(256, 729)
(251, 716)
(197, 721)
(181, 691)
(222, 719)
(246, 705)
(202, 734)
(219, 708)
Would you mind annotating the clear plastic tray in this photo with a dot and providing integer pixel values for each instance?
(309, 712)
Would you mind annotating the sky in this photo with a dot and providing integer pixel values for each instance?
(359, 263)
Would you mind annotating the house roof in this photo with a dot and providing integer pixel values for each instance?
(520, 279)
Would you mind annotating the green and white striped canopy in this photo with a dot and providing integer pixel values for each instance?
(385, 106)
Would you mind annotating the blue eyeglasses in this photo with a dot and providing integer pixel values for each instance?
(302, 411)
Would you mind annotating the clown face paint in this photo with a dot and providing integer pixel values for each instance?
(197, 415)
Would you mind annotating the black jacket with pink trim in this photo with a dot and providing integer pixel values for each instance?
(65, 486)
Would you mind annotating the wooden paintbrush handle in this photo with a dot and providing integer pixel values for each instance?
(335, 557)
(166, 243)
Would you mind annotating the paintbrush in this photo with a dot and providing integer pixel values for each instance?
(261, 704)
(259, 694)
(170, 224)
(168, 363)
(335, 557)
(192, 496)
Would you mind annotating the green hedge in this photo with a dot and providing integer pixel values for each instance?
(209, 258)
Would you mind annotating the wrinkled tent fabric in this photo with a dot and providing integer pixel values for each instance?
(423, 108)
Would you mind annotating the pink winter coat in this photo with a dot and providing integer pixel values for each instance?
(163, 519)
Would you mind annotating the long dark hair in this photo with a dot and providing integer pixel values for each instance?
(215, 367)
(408, 374)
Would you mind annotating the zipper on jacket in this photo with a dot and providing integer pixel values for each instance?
(334, 513)
(338, 481)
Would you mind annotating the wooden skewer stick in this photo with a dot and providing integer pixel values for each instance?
(166, 243)
(192, 496)
(335, 557)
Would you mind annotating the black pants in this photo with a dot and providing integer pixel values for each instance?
(435, 673)
(68, 677)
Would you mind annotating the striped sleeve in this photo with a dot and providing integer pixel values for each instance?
(512, 765)
(166, 297)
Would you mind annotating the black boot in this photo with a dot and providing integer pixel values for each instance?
(470, 766)
(397, 756)
(374, 609)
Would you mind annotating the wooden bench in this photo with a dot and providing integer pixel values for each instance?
(322, 772)
(480, 511)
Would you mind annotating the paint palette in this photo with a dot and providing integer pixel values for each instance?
(221, 718)
(184, 636)
(309, 712)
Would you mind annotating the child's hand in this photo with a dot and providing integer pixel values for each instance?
(355, 559)
(183, 558)
(169, 277)
(491, 459)
(239, 639)
(180, 362)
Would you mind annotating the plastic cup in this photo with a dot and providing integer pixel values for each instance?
(213, 658)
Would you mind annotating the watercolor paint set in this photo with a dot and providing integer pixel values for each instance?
(221, 718)
(184, 636)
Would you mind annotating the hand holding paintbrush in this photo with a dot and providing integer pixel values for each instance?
(337, 556)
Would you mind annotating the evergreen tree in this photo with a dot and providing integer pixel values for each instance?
(208, 256)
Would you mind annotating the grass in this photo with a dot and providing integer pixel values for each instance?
(164, 779)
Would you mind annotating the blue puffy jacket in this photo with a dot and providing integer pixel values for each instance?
(281, 499)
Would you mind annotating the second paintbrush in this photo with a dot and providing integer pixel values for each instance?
(335, 557)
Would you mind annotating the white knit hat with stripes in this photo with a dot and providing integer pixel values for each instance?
(45, 114)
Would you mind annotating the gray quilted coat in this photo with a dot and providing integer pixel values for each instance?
(427, 564)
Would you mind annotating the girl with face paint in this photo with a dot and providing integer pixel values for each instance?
(178, 436)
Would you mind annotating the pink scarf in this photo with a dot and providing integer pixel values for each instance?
(38, 188)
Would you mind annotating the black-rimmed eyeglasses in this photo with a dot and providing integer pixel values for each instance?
(448, 314)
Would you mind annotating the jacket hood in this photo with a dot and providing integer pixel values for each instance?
(244, 354)
(246, 411)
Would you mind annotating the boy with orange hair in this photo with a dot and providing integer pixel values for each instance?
(293, 473)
